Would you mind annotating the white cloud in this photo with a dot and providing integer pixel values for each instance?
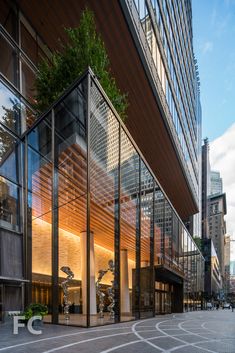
(222, 158)
(213, 16)
(207, 47)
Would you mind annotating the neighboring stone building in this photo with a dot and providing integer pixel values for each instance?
(227, 240)
(217, 225)
(213, 280)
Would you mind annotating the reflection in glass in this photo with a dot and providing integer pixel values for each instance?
(40, 222)
(8, 18)
(128, 218)
(8, 61)
(159, 209)
(40, 137)
(28, 80)
(71, 161)
(9, 204)
(9, 109)
(168, 233)
(146, 271)
(28, 44)
(104, 135)
(9, 155)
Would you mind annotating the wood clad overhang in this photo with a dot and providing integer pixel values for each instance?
(144, 122)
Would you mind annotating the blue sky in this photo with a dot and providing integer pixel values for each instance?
(214, 47)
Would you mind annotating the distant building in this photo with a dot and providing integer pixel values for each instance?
(217, 225)
(216, 183)
(232, 268)
(232, 285)
(227, 263)
(213, 280)
(205, 184)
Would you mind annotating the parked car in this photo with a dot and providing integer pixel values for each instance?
(226, 305)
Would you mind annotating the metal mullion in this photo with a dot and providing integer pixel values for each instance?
(89, 82)
(117, 240)
(55, 225)
(138, 245)
(152, 246)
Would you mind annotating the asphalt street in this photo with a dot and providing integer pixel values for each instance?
(201, 331)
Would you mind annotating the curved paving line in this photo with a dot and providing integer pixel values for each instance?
(185, 343)
(85, 341)
(62, 336)
(141, 338)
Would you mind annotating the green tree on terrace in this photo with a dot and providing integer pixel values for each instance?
(84, 48)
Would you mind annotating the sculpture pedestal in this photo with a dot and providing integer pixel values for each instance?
(124, 281)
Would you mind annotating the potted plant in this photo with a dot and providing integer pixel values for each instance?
(35, 309)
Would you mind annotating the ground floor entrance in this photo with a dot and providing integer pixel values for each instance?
(163, 298)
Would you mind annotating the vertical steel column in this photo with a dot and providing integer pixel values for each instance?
(117, 193)
(152, 247)
(89, 83)
(55, 220)
(138, 236)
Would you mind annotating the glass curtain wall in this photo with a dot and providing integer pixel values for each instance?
(70, 161)
(129, 228)
(159, 214)
(104, 186)
(146, 243)
(98, 217)
(39, 223)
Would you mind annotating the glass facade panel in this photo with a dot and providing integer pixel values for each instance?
(8, 18)
(40, 222)
(94, 206)
(104, 164)
(168, 234)
(9, 109)
(71, 162)
(9, 155)
(185, 254)
(40, 138)
(175, 242)
(159, 212)
(28, 44)
(9, 205)
(181, 247)
(8, 61)
(129, 223)
(146, 267)
(28, 80)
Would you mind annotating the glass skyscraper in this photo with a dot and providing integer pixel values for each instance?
(80, 189)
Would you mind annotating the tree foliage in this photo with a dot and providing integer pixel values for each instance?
(9, 119)
(198, 242)
(84, 48)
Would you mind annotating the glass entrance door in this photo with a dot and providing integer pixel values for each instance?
(163, 296)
